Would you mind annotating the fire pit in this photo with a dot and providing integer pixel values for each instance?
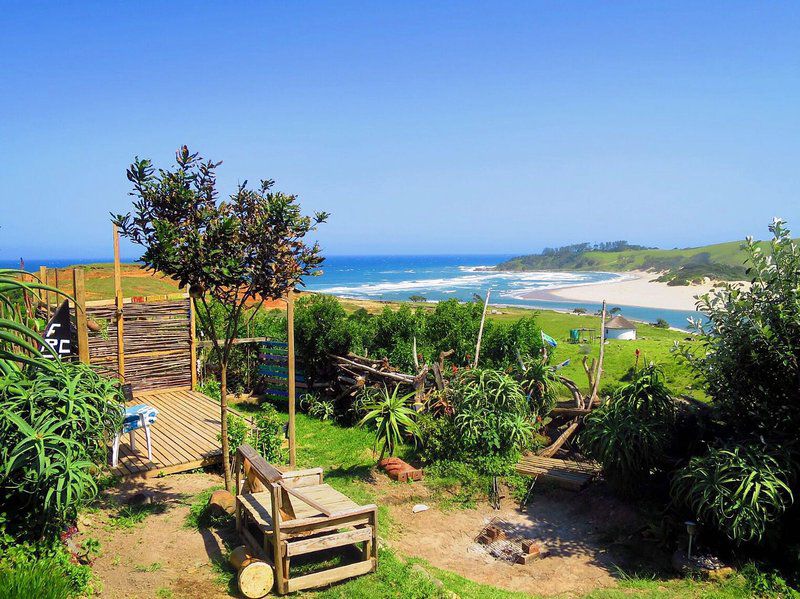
(500, 540)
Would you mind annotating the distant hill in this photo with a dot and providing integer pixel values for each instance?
(722, 261)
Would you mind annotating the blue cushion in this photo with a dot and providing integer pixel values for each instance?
(131, 418)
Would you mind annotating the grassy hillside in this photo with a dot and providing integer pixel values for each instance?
(719, 261)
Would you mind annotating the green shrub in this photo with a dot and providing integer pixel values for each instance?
(629, 434)
(454, 325)
(265, 435)
(32, 569)
(439, 439)
(739, 491)
(502, 342)
(55, 424)
(321, 328)
(392, 419)
(491, 413)
(747, 355)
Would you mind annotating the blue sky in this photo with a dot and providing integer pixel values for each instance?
(422, 127)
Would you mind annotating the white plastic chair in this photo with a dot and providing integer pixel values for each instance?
(135, 417)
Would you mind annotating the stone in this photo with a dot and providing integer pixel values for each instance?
(140, 498)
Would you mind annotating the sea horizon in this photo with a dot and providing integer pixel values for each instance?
(438, 277)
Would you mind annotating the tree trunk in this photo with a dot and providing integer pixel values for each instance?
(223, 411)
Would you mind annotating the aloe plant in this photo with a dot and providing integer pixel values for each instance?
(54, 423)
(392, 418)
(739, 490)
(19, 341)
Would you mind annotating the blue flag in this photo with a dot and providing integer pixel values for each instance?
(548, 339)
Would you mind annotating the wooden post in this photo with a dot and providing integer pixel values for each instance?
(290, 352)
(480, 330)
(45, 294)
(599, 371)
(79, 293)
(193, 343)
(119, 314)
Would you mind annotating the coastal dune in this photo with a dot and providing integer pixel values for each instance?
(638, 289)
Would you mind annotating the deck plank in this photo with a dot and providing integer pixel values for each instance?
(184, 436)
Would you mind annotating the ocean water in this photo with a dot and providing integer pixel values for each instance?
(442, 277)
(438, 278)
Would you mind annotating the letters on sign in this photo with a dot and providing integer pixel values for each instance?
(57, 334)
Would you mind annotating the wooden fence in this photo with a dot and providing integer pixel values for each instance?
(157, 342)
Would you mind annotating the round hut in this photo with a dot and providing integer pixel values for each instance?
(620, 327)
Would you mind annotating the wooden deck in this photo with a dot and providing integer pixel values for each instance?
(185, 435)
(569, 474)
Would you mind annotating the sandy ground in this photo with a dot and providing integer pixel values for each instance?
(589, 534)
(639, 290)
(159, 556)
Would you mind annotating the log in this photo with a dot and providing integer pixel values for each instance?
(395, 376)
(255, 576)
(551, 449)
(222, 502)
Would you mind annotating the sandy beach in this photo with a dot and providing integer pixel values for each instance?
(638, 289)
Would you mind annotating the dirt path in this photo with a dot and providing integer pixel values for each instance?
(159, 557)
(589, 534)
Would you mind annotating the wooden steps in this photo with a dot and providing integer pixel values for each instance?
(569, 474)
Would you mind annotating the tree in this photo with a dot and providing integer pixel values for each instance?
(236, 253)
(750, 348)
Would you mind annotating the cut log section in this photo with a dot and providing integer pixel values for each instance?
(221, 502)
(256, 577)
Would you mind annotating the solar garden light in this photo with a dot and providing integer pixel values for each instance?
(691, 528)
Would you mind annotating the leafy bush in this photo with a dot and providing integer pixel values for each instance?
(392, 419)
(502, 342)
(629, 435)
(439, 439)
(492, 414)
(265, 435)
(739, 491)
(55, 423)
(34, 569)
(748, 352)
(320, 328)
(454, 325)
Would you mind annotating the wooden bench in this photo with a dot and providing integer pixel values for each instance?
(565, 473)
(281, 515)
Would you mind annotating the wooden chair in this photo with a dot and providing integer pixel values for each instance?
(281, 515)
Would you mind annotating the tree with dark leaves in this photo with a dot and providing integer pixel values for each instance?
(238, 252)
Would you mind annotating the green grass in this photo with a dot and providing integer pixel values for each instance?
(154, 567)
(655, 344)
(132, 516)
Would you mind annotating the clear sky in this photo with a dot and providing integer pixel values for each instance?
(422, 127)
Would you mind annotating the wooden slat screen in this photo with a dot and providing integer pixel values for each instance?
(157, 338)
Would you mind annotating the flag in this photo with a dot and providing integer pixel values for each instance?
(548, 339)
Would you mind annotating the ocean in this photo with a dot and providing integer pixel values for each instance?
(440, 277)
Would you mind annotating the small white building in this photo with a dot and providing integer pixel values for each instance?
(620, 328)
